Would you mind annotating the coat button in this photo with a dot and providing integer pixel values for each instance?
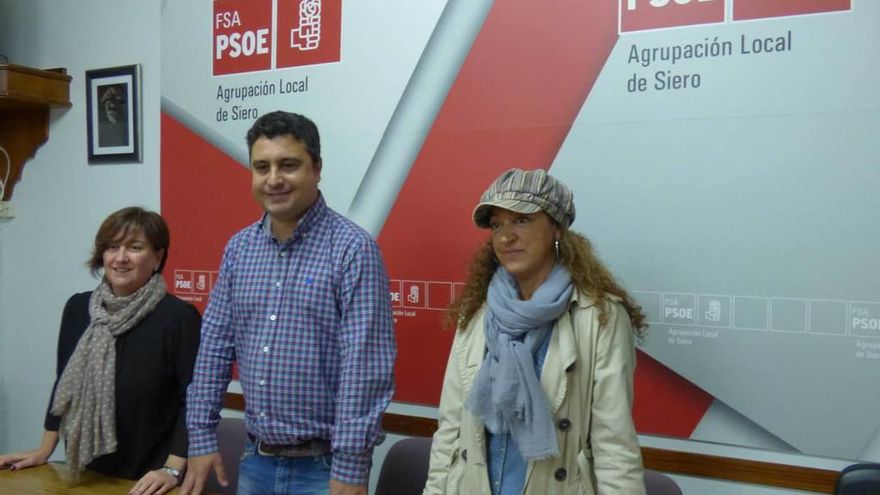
(560, 474)
(564, 424)
(464, 454)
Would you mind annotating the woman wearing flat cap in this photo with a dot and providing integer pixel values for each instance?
(537, 394)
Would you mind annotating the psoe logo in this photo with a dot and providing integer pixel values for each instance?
(308, 35)
(638, 15)
(305, 32)
(242, 36)
(308, 32)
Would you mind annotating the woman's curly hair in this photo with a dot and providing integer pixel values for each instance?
(589, 275)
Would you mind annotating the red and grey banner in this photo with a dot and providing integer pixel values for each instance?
(699, 136)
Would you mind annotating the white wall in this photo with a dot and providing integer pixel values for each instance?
(61, 200)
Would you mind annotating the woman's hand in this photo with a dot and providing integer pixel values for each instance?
(21, 460)
(154, 483)
(31, 458)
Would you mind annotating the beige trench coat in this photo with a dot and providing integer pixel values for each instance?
(585, 364)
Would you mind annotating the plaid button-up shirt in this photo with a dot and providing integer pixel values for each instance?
(309, 323)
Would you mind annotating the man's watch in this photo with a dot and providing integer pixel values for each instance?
(178, 474)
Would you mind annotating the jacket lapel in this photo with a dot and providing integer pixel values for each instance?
(561, 354)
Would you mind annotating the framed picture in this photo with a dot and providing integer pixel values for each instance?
(113, 103)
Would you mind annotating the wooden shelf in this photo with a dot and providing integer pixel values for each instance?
(26, 95)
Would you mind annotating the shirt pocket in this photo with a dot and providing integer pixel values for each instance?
(312, 295)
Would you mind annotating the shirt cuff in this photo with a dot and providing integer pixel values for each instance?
(202, 442)
(353, 469)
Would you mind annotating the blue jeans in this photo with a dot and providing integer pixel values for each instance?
(267, 475)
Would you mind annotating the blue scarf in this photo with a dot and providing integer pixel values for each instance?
(507, 395)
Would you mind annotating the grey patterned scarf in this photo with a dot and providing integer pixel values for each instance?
(506, 394)
(85, 397)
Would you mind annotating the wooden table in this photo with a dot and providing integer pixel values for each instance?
(49, 480)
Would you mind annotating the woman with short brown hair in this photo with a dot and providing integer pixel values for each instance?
(125, 357)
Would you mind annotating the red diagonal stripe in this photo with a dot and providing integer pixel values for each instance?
(526, 77)
(524, 81)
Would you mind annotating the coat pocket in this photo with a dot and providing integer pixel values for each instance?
(456, 473)
(587, 478)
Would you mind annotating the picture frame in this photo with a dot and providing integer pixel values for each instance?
(113, 107)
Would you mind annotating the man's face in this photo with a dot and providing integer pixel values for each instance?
(284, 179)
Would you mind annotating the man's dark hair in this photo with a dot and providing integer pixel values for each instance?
(279, 123)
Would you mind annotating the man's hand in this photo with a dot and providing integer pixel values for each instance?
(154, 483)
(340, 488)
(198, 470)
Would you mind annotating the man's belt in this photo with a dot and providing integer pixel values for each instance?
(315, 446)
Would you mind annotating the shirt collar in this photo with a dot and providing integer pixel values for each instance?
(306, 223)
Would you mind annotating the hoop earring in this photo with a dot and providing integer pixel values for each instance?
(556, 245)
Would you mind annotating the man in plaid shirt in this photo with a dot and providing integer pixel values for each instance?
(302, 304)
